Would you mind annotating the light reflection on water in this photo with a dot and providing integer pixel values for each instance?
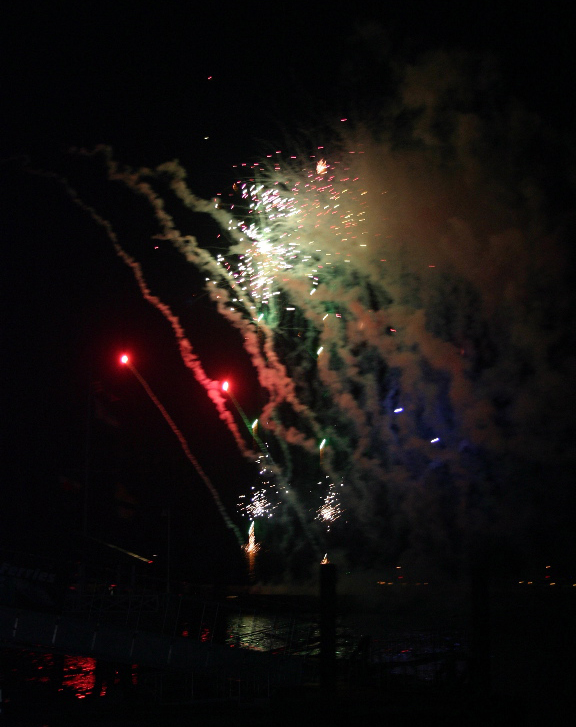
(79, 675)
(285, 634)
(282, 633)
(74, 676)
(82, 677)
(257, 632)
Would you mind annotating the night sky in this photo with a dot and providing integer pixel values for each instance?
(151, 82)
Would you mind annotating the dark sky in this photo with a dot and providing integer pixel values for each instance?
(136, 76)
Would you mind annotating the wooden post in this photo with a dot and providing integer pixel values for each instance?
(480, 646)
(328, 578)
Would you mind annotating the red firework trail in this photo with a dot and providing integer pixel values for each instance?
(184, 444)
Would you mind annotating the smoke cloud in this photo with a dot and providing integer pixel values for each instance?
(411, 305)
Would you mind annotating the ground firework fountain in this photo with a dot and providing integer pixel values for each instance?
(251, 549)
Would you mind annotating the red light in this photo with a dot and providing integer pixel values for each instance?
(225, 386)
(124, 359)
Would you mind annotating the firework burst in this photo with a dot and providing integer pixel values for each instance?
(380, 293)
(258, 505)
(301, 226)
(330, 510)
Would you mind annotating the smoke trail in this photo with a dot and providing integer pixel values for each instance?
(212, 387)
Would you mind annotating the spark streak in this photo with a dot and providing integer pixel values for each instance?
(185, 448)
